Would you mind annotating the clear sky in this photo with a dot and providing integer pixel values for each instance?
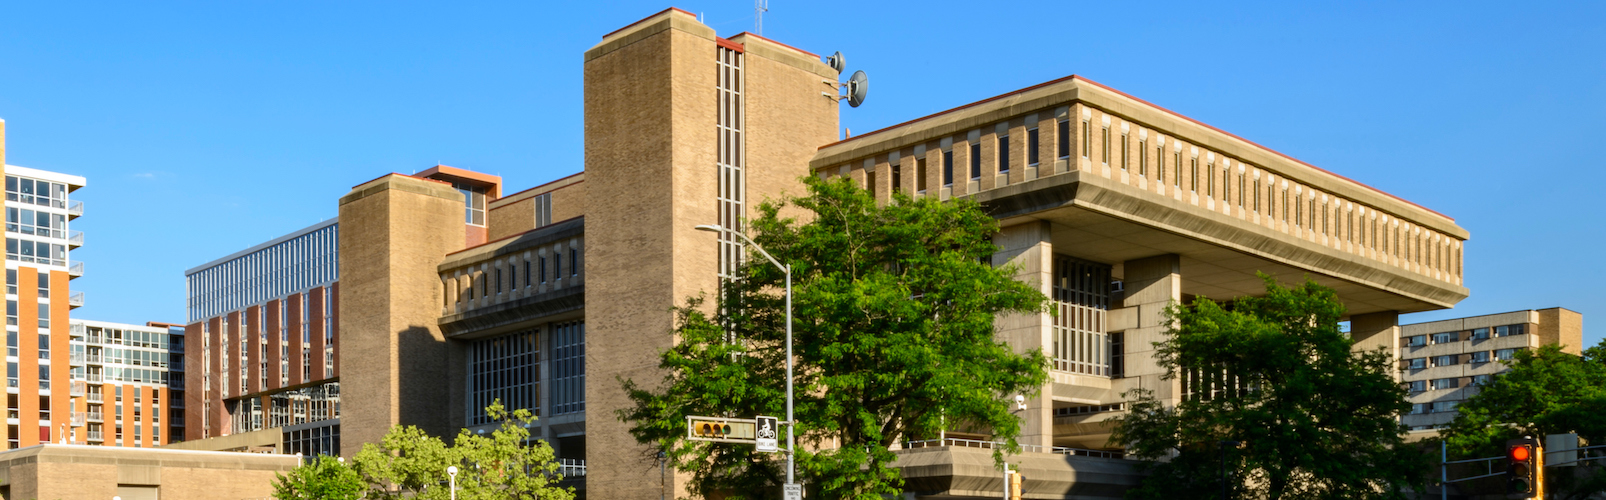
(207, 127)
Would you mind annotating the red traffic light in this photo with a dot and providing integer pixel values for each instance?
(1519, 453)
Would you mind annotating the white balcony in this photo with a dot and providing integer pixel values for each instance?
(78, 387)
(78, 418)
(76, 359)
(95, 378)
(94, 416)
(75, 239)
(76, 270)
(75, 210)
(76, 300)
(95, 397)
(77, 329)
(96, 436)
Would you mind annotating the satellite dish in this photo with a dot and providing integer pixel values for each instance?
(836, 61)
(858, 84)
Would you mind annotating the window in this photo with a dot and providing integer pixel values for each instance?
(1087, 138)
(543, 209)
(1064, 138)
(920, 175)
(1125, 146)
(1105, 143)
(1416, 341)
(568, 367)
(542, 272)
(1444, 383)
(1482, 379)
(869, 182)
(1440, 338)
(897, 177)
(1416, 363)
(1416, 386)
(1143, 158)
(557, 264)
(1444, 360)
(1505, 354)
(975, 161)
(1480, 357)
(947, 168)
(1176, 163)
(11, 282)
(1193, 184)
(574, 261)
(1444, 406)
(1031, 147)
(1419, 408)
(1509, 330)
(473, 203)
(506, 368)
(1003, 154)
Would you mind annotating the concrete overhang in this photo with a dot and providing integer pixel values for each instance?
(1099, 219)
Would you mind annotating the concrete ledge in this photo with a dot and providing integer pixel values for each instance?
(952, 471)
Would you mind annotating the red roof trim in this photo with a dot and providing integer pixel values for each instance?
(548, 183)
(515, 235)
(729, 44)
(644, 19)
(811, 54)
(1161, 108)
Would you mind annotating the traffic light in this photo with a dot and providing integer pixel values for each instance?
(724, 430)
(1522, 469)
(1015, 481)
(712, 429)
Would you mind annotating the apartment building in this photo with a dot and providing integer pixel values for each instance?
(447, 294)
(107, 383)
(1443, 363)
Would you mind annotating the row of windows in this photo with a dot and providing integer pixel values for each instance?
(1434, 407)
(37, 223)
(1459, 359)
(505, 369)
(291, 266)
(1416, 386)
(39, 252)
(519, 272)
(1302, 207)
(1465, 335)
(37, 192)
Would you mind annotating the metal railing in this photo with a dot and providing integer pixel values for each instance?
(93, 358)
(96, 435)
(77, 329)
(95, 397)
(75, 239)
(77, 418)
(77, 388)
(76, 358)
(95, 377)
(95, 416)
(76, 299)
(76, 209)
(76, 269)
(989, 445)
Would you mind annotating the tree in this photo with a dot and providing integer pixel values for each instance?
(325, 478)
(894, 340)
(409, 463)
(1545, 391)
(1315, 418)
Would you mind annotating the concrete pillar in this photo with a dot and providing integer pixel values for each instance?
(1151, 284)
(1379, 329)
(1029, 248)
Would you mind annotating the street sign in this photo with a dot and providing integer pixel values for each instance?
(720, 429)
(766, 433)
(792, 492)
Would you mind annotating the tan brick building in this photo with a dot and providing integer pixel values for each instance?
(451, 295)
(68, 472)
(1442, 363)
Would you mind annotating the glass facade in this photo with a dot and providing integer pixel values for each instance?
(506, 369)
(568, 367)
(302, 260)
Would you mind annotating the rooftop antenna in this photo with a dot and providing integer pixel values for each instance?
(857, 85)
(759, 8)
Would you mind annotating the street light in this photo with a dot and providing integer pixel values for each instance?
(791, 444)
(1224, 445)
(451, 478)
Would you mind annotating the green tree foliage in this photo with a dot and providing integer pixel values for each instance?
(1315, 419)
(894, 340)
(325, 478)
(1545, 391)
(409, 463)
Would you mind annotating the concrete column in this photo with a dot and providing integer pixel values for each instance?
(1151, 284)
(1029, 248)
(1379, 329)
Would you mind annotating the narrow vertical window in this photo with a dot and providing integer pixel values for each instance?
(1176, 163)
(869, 183)
(1064, 138)
(1298, 215)
(1031, 147)
(1193, 183)
(1159, 162)
(1241, 183)
(1256, 206)
(975, 161)
(574, 261)
(1143, 158)
(920, 175)
(1087, 138)
(1210, 182)
(897, 177)
(1003, 154)
(947, 168)
(1104, 142)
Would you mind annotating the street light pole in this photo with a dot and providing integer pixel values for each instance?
(451, 477)
(791, 443)
(1224, 445)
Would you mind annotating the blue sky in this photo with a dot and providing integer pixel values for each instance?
(207, 127)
